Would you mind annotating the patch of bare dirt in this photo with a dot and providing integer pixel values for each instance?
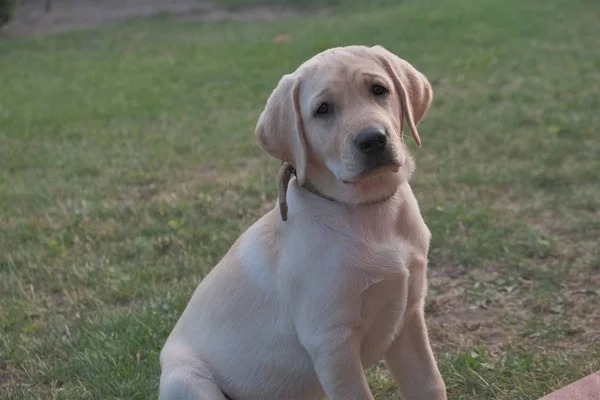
(33, 18)
(9, 377)
(457, 323)
(496, 308)
(551, 301)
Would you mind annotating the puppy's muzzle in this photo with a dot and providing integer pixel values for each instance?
(373, 146)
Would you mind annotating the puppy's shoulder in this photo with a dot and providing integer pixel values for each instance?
(261, 243)
(410, 225)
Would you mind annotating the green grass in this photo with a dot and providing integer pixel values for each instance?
(128, 167)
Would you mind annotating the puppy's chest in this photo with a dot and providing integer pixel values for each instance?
(383, 271)
(376, 262)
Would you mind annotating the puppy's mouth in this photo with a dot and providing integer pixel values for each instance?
(375, 170)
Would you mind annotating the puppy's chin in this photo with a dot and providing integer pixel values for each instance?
(349, 187)
(370, 174)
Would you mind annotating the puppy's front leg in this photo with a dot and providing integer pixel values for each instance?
(336, 360)
(411, 361)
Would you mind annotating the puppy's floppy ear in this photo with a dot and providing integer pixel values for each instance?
(280, 130)
(412, 87)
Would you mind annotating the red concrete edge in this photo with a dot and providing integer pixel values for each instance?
(587, 388)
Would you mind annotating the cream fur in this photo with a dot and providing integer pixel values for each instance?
(298, 309)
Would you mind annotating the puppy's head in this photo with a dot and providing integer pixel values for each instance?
(338, 119)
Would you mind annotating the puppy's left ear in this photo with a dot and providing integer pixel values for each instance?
(412, 87)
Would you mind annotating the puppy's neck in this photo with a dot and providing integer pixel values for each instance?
(308, 185)
(321, 180)
(368, 220)
(325, 185)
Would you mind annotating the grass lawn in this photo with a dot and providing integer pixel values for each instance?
(128, 166)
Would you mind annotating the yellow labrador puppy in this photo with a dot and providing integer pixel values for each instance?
(299, 306)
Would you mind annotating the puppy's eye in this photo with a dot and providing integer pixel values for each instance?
(379, 90)
(323, 109)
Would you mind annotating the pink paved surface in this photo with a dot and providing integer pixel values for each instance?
(587, 388)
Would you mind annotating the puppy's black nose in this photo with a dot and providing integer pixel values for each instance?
(371, 141)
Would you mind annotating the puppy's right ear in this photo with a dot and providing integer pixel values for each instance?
(280, 130)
